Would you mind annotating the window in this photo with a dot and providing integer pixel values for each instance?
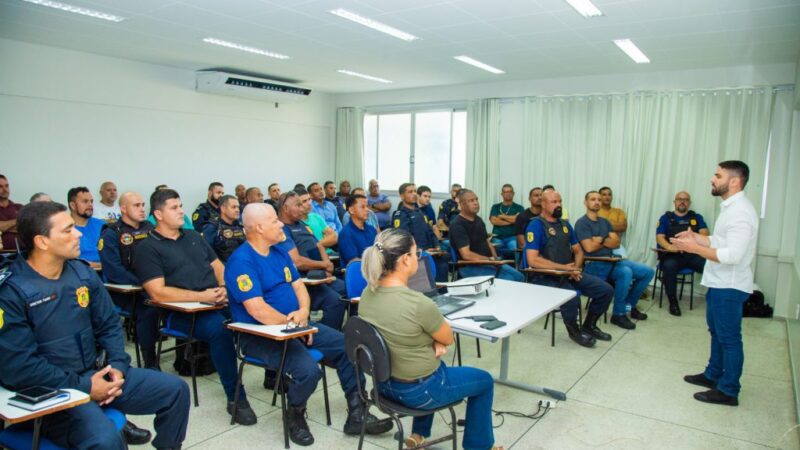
(422, 147)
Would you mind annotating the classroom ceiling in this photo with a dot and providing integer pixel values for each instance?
(528, 39)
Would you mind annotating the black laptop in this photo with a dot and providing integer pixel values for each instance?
(422, 281)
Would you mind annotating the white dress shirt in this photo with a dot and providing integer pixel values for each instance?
(735, 234)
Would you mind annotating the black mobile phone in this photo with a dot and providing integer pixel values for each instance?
(36, 394)
(294, 330)
(484, 318)
(493, 325)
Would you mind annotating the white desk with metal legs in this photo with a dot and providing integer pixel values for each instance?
(519, 305)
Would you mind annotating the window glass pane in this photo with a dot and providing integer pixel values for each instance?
(370, 149)
(432, 149)
(458, 165)
(394, 144)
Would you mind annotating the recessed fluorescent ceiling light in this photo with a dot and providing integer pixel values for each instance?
(244, 48)
(374, 24)
(77, 10)
(585, 8)
(627, 46)
(478, 64)
(361, 75)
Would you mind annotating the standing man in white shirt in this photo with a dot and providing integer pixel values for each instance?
(729, 252)
(107, 209)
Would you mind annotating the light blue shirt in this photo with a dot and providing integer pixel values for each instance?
(328, 212)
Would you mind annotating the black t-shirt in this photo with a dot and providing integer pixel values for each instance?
(183, 263)
(522, 220)
(469, 233)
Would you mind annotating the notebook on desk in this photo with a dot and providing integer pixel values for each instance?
(422, 281)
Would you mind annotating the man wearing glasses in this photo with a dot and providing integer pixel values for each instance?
(673, 260)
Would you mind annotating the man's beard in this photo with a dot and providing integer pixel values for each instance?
(86, 214)
(719, 191)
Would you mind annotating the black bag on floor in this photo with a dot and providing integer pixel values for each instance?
(204, 364)
(755, 306)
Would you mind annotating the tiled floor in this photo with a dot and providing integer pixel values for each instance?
(628, 393)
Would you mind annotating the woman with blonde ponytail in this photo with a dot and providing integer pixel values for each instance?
(417, 335)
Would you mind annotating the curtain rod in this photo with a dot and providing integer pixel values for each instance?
(775, 88)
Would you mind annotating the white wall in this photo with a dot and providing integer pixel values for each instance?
(69, 118)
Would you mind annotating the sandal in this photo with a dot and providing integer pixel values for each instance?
(413, 442)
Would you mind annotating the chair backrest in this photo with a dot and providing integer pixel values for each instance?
(431, 263)
(453, 252)
(354, 280)
(366, 349)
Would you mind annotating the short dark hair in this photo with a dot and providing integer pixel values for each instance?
(3, 176)
(270, 186)
(507, 185)
(311, 185)
(586, 197)
(283, 198)
(548, 186)
(351, 200)
(37, 196)
(422, 189)
(455, 185)
(214, 184)
(737, 169)
(462, 193)
(72, 194)
(327, 183)
(246, 192)
(34, 220)
(403, 188)
(299, 185)
(300, 191)
(226, 198)
(159, 198)
(160, 186)
(531, 191)
(604, 188)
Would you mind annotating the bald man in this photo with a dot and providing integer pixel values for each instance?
(264, 287)
(106, 209)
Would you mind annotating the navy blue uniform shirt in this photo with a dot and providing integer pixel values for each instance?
(117, 243)
(413, 221)
(205, 212)
(353, 241)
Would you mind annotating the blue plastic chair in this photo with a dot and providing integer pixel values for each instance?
(685, 276)
(354, 281)
(169, 330)
(19, 437)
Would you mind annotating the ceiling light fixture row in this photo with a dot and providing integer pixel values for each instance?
(77, 10)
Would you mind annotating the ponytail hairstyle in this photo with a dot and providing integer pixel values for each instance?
(381, 258)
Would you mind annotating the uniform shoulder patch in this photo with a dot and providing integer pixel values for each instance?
(396, 223)
(100, 245)
(693, 222)
(244, 282)
(1, 318)
(565, 229)
(82, 296)
(529, 236)
(195, 216)
(287, 274)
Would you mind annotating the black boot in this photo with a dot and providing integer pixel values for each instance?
(298, 428)
(355, 409)
(580, 337)
(590, 327)
(674, 309)
(149, 359)
(135, 435)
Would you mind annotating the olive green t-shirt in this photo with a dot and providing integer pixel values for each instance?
(406, 319)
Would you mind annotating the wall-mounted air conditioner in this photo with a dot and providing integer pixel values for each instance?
(215, 82)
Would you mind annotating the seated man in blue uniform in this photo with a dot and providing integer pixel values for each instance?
(550, 243)
(424, 203)
(469, 238)
(409, 217)
(225, 234)
(309, 255)
(357, 234)
(673, 260)
(208, 210)
(265, 288)
(448, 210)
(119, 242)
(176, 265)
(630, 277)
(55, 316)
(81, 208)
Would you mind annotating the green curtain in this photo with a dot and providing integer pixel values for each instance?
(350, 146)
(646, 146)
(483, 151)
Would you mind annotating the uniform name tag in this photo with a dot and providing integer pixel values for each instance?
(42, 301)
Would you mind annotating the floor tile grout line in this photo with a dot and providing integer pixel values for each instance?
(673, 423)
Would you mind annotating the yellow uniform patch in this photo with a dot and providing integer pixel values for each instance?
(287, 274)
(195, 216)
(530, 236)
(227, 234)
(1, 318)
(566, 230)
(693, 222)
(82, 295)
(100, 245)
(397, 223)
(244, 282)
(310, 231)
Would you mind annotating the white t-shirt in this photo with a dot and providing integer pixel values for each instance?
(106, 213)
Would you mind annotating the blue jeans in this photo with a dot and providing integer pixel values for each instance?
(724, 318)
(300, 366)
(447, 385)
(631, 278)
(145, 391)
(506, 246)
(503, 272)
(209, 327)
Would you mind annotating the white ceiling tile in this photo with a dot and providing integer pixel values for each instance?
(528, 24)
(492, 11)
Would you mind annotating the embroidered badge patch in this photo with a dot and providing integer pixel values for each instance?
(100, 245)
(1, 318)
(195, 216)
(227, 234)
(287, 274)
(82, 295)
(126, 239)
(397, 223)
(244, 282)
(566, 230)
(693, 222)
(530, 236)
(551, 231)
